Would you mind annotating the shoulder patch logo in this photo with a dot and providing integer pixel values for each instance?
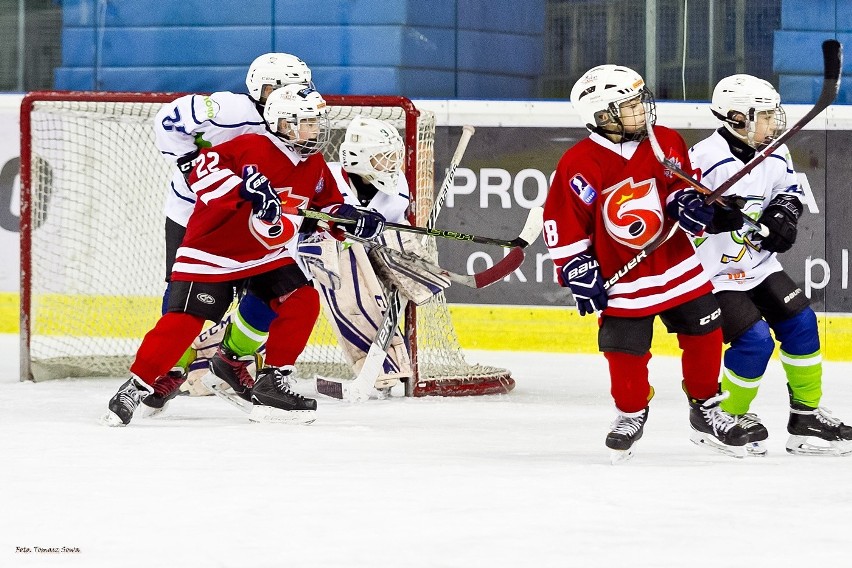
(320, 186)
(583, 189)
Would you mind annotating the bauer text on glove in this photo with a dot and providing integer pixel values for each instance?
(264, 199)
(582, 275)
(781, 217)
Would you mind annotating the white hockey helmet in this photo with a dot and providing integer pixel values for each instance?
(298, 115)
(599, 92)
(273, 70)
(737, 101)
(373, 150)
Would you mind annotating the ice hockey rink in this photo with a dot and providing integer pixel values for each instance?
(520, 480)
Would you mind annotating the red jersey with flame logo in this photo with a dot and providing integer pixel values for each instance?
(224, 240)
(611, 198)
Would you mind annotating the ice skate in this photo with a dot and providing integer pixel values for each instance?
(273, 401)
(815, 432)
(757, 433)
(166, 387)
(229, 377)
(715, 429)
(626, 431)
(124, 402)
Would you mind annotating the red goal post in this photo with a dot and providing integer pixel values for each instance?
(92, 251)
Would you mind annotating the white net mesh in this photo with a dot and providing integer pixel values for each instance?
(96, 233)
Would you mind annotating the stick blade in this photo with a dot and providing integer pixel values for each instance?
(832, 56)
(505, 267)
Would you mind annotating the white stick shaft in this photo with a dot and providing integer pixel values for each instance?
(467, 132)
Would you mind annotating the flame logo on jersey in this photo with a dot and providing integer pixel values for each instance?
(276, 235)
(632, 212)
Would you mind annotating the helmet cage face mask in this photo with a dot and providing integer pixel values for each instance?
(746, 103)
(299, 117)
(599, 96)
(373, 150)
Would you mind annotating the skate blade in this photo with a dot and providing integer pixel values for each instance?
(271, 415)
(756, 449)
(618, 457)
(221, 389)
(707, 441)
(112, 420)
(149, 412)
(803, 446)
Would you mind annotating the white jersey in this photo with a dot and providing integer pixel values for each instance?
(200, 121)
(732, 260)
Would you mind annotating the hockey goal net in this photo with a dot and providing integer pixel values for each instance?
(92, 240)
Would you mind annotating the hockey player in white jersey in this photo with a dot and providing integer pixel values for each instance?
(755, 293)
(182, 128)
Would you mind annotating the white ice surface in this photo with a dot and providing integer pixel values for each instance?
(521, 480)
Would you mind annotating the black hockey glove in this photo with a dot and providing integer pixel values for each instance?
(781, 217)
(368, 224)
(185, 163)
(726, 220)
(689, 210)
(264, 199)
(582, 274)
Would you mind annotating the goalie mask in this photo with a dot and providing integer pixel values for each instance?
(298, 115)
(613, 101)
(273, 70)
(750, 108)
(373, 150)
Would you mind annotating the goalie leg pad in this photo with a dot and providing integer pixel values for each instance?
(356, 309)
(416, 285)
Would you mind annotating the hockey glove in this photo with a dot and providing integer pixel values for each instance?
(368, 224)
(264, 199)
(186, 163)
(582, 275)
(781, 217)
(727, 220)
(689, 210)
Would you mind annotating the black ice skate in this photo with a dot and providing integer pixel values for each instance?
(715, 429)
(229, 377)
(626, 431)
(166, 387)
(757, 433)
(124, 402)
(273, 401)
(807, 425)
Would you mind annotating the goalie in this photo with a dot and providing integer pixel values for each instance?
(353, 281)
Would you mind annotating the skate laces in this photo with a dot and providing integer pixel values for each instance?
(715, 417)
(626, 424)
(239, 366)
(824, 416)
(748, 420)
(165, 384)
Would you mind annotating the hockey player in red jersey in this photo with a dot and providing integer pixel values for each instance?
(237, 237)
(609, 199)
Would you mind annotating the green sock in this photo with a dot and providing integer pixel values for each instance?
(185, 359)
(804, 375)
(742, 391)
(243, 339)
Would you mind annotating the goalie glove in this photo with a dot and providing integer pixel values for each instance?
(582, 275)
(368, 224)
(781, 217)
(688, 208)
(264, 199)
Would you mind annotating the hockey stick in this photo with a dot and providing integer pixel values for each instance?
(359, 389)
(832, 55)
(531, 231)
(467, 133)
(674, 168)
